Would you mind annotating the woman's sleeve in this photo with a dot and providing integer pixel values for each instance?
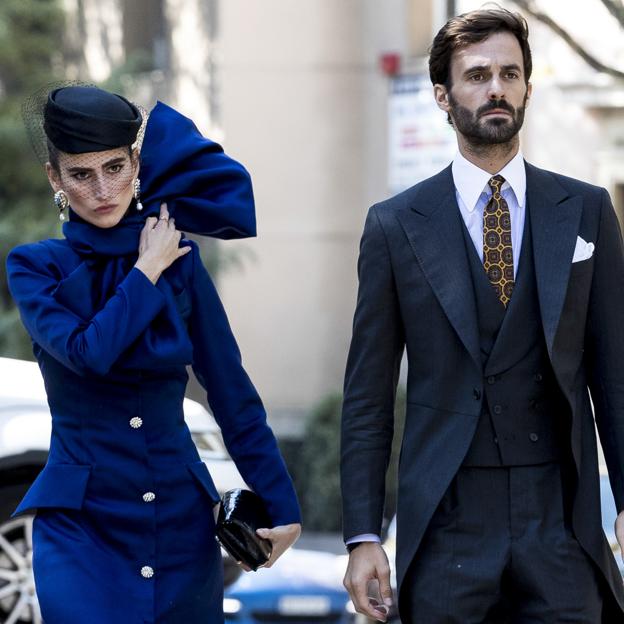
(234, 401)
(84, 346)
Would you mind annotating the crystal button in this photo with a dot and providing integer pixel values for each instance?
(136, 422)
(148, 497)
(147, 572)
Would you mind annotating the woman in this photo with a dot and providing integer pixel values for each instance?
(124, 530)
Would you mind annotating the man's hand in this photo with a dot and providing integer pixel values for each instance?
(619, 531)
(368, 562)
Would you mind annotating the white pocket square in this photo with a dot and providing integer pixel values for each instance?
(583, 250)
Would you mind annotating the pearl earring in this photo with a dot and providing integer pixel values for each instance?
(61, 202)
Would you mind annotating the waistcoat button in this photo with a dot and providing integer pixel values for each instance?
(476, 393)
(136, 422)
(491, 379)
(533, 437)
(498, 409)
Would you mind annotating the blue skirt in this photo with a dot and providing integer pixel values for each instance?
(101, 566)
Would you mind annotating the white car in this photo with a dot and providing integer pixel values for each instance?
(25, 427)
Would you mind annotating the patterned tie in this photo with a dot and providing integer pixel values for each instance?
(497, 251)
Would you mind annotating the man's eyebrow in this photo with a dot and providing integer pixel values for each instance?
(476, 68)
(485, 68)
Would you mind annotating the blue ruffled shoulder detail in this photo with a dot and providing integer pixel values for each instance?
(206, 191)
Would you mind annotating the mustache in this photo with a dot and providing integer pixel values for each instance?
(494, 104)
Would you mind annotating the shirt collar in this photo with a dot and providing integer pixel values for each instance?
(470, 181)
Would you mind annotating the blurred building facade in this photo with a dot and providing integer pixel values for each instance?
(294, 89)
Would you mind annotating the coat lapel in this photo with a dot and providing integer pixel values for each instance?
(433, 227)
(555, 219)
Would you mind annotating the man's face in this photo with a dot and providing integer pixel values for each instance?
(489, 94)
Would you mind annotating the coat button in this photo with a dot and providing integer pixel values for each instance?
(538, 377)
(136, 422)
(533, 437)
(497, 409)
(491, 379)
(147, 572)
(148, 497)
(476, 393)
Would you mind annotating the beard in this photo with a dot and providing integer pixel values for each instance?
(489, 131)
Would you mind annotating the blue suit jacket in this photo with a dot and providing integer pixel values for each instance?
(186, 323)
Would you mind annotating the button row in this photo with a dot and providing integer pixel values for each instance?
(146, 571)
(491, 379)
(534, 437)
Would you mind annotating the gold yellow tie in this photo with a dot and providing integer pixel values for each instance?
(497, 249)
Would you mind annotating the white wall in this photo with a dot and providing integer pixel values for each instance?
(304, 108)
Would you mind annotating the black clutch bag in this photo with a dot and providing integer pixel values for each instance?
(241, 513)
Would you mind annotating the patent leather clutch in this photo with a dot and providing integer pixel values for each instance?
(241, 513)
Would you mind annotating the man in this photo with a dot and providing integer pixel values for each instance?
(504, 284)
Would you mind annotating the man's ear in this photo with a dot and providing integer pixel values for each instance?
(441, 95)
(529, 93)
(53, 177)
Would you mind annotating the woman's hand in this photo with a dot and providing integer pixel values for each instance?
(281, 538)
(159, 245)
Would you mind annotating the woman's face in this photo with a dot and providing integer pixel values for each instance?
(99, 185)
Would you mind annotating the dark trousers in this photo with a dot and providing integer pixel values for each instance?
(499, 550)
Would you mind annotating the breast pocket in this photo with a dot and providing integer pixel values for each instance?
(579, 283)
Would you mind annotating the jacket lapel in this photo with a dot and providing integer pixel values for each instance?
(555, 219)
(433, 227)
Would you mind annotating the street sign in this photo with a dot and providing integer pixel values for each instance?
(421, 142)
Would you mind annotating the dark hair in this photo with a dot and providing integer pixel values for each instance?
(474, 27)
(54, 153)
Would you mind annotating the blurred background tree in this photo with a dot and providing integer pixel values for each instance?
(615, 8)
(315, 464)
(30, 33)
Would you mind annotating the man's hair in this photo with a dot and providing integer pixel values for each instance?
(474, 27)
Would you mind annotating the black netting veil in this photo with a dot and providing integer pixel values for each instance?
(92, 139)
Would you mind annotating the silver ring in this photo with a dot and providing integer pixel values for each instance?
(163, 218)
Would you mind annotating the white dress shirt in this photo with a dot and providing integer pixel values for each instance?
(473, 193)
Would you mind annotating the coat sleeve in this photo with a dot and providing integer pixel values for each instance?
(85, 346)
(370, 386)
(604, 345)
(234, 402)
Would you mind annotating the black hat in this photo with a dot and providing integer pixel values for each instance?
(79, 119)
